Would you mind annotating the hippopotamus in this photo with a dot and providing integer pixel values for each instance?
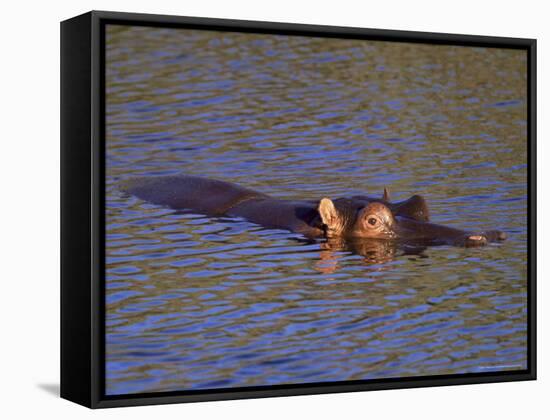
(356, 217)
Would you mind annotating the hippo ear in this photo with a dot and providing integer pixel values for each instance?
(327, 211)
(386, 196)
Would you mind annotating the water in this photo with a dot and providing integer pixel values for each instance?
(195, 302)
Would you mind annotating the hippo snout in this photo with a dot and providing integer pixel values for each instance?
(482, 238)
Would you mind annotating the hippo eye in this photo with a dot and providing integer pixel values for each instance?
(372, 221)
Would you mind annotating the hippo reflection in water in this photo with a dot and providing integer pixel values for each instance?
(357, 217)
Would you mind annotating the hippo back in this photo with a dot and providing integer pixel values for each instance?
(181, 192)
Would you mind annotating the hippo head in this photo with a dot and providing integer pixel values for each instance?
(348, 218)
(367, 217)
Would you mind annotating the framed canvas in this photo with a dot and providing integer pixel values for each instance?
(255, 209)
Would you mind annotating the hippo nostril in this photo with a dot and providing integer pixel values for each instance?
(474, 240)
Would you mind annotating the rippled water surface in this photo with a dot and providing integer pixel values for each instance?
(196, 302)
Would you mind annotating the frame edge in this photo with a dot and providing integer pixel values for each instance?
(532, 206)
(76, 263)
(307, 29)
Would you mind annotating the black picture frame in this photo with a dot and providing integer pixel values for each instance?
(83, 203)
